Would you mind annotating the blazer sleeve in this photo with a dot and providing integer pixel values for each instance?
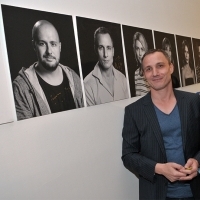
(132, 158)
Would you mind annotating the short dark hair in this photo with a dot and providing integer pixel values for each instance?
(101, 30)
(151, 51)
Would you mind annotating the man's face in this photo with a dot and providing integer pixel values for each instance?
(47, 47)
(105, 50)
(187, 55)
(157, 70)
(139, 49)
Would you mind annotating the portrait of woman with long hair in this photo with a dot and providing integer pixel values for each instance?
(188, 77)
(139, 48)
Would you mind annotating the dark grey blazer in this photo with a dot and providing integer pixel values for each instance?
(143, 144)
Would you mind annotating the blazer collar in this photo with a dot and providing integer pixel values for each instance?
(150, 113)
(183, 109)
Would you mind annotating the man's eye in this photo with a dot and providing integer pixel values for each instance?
(148, 69)
(109, 48)
(41, 44)
(53, 44)
(100, 47)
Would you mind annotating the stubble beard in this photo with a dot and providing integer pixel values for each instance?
(50, 67)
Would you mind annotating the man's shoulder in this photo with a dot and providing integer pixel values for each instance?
(119, 74)
(24, 73)
(20, 77)
(69, 71)
(185, 94)
(21, 82)
(66, 68)
(188, 97)
(90, 79)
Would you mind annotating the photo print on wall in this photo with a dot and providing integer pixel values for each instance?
(102, 61)
(186, 61)
(43, 61)
(196, 49)
(166, 41)
(137, 41)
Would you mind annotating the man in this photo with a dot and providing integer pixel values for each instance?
(105, 83)
(46, 86)
(161, 135)
(198, 65)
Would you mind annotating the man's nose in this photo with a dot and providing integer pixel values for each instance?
(154, 71)
(49, 49)
(105, 53)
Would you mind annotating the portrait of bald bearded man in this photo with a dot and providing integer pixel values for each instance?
(46, 86)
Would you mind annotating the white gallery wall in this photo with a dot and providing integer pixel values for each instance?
(76, 154)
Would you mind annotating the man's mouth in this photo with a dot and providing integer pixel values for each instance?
(49, 57)
(106, 61)
(157, 79)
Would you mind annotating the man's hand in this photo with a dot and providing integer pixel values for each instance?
(190, 169)
(172, 171)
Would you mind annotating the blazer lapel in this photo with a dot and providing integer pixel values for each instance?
(182, 106)
(152, 117)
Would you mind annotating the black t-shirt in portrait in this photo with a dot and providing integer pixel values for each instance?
(59, 97)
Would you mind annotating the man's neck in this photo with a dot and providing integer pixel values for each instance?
(107, 73)
(51, 77)
(108, 76)
(162, 95)
(164, 99)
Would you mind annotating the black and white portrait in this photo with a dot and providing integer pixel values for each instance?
(43, 61)
(102, 61)
(186, 61)
(196, 49)
(166, 41)
(137, 41)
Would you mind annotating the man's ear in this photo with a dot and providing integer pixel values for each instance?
(113, 51)
(33, 44)
(171, 68)
(60, 46)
